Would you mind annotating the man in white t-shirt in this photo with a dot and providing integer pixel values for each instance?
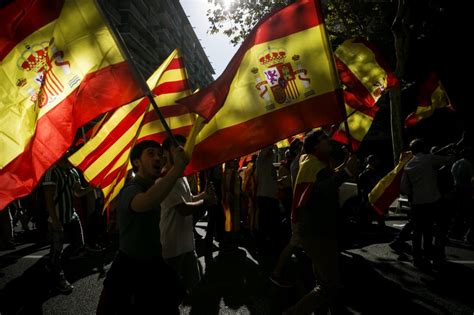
(176, 224)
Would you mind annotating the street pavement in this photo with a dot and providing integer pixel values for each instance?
(375, 280)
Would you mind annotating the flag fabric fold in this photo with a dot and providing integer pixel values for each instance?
(365, 76)
(359, 120)
(59, 68)
(104, 159)
(281, 82)
(363, 71)
(310, 166)
(388, 188)
(432, 95)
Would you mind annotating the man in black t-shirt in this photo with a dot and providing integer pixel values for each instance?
(139, 281)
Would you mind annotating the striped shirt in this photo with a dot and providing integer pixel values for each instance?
(63, 180)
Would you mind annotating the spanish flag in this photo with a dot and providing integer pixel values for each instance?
(59, 68)
(432, 96)
(310, 166)
(388, 188)
(365, 76)
(364, 72)
(104, 159)
(359, 120)
(281, 82)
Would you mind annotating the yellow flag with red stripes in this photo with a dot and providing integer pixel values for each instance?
(104, 159)
(59, 68)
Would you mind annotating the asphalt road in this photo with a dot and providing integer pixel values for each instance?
(376, 281)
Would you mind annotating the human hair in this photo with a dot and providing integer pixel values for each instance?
(418, 146)
(371, 159)
(295, 146)
(138, 149)
(312, 139)
(168, 142)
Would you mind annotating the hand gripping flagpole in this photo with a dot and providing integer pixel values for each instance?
(137, 74)
(339, 94)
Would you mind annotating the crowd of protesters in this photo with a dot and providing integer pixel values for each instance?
(258, 196)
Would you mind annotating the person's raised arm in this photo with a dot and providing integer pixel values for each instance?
(146, 201)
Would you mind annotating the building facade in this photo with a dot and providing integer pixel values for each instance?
(152, 29)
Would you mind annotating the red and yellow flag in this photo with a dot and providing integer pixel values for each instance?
(59, 68)
(104, 159)
(365, 76)
(432, 96)
(388, 188)
(359, 121)
(281, 82)
(363, 71)
(93, 130)
(310, 166)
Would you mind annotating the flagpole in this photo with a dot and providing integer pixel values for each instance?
(137, 74)
(339, 94)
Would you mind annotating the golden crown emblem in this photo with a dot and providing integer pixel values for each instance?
(35, 58)
(272, 57)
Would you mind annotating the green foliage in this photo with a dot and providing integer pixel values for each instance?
(344, 18)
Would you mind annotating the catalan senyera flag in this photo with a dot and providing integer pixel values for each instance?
(364, 72)
(388, 188)
(59, 68)
(281, 82)
(310, 166)
(432, 96)
(104, 159)
(92, 131)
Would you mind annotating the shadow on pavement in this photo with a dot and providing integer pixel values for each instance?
(27, 293)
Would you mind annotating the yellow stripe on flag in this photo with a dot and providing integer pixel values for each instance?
(78, 42)
(243, 101)
(388, 185)
(359, 123)
(363, 64)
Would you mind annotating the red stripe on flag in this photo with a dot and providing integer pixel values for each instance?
(369, 111)
(291, 19)
(100, 178)
(99, 92)
(120, 175)
(341, 137)
(176, 63)
(252, 135)
(171, 87)
(167, 111)
(389, 195)
(160, 137)
(21, 18)
(354, 88)
(116, 133)
(300, 198)
(427, 89)
(411, 120)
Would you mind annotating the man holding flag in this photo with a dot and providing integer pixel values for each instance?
(315, 207)
(139, 280)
